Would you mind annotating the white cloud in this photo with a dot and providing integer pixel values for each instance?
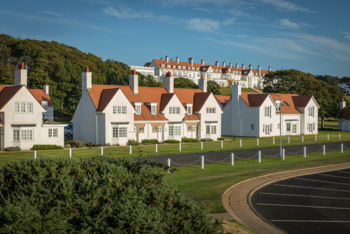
(203, 25)
(52, 13)
(287, 24)
(346, 35)
(126, 13)
(285, 5)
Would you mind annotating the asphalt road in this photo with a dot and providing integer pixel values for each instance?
(318, 203)
(225, 156)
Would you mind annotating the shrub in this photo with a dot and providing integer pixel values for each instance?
(190, 139)
(76, 144)
(95, 195)
(171, 141)
(132, 142)
(150, 141)
(221, 139)
(13, 148)
(46, 147)
(67, 145)
(93, 145)
(206, 139)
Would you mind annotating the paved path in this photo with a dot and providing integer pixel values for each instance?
(237, 199)
(215, 157)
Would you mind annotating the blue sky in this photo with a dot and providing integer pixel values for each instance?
(311, 36)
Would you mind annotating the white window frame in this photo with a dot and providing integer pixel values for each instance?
(312, 111)
(267, 111)
(23, 134)
(174, 110)
(288, 126)
(210, 129)
(175, 130)
(138, 109)
(211, 110)
(189, 109)
(119, 131)
(53, 132)
(154, 109)
(294, 128)
(23, 107)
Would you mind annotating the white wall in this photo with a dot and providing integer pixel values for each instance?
(174, 119)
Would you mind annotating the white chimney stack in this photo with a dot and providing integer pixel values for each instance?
(21, 75)
(202, 83)
(236, 91)
(259, 69)
(230, 64)
(168, 83)
(237, 65)
(190, 61)
(134, 82)
(342, 104)
(177, 60)
(242, 65)
(86, 79)
(217, 63)
(223, 63)
(250, 67)
(269, 68)
(167, 59)
(202, 62)
(46, 88)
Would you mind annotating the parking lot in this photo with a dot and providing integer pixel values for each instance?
(318, 203)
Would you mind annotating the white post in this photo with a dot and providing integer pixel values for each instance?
(180, 146)
(232, 159)
(130, 149)
(70, 152)
(201, 145)
(324, 150)
(339, 136)
(273, 140)
(202, 162)
(156, 148)
(341, 148)
(304, 151)
(327, 137)
(168, 164)
(283, 154)
(222, 144)
(101, 150)
(315, 137)
(257, 141)
(34, 154)
(288, 139)
(302, 138)
(259, 159)
(240, 142)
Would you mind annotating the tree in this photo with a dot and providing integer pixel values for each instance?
(213, 87)
(294, 81)
(184, 83)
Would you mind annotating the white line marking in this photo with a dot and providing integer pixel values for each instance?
(298, 195)
(342, 177)
(302, 206)
(323, 181)
(308, 187)
(310, 221)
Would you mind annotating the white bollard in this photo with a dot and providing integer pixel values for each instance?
(70, 152)
(327, 137)
(201, 145)
(341, 148)
(257, 141)
(324, 150)
(130, 149)
(34, 154)
(273, 140)
(232, 159)
(168, 164)
(339, 136)
(202, 162)
(180, 146)
(288, 139)
(304, 151)
(156, 148)
(302, 138)
(283, 154)
(222, 144)
(240, 142)
(315, 137)
(259, 158)
(101, 150)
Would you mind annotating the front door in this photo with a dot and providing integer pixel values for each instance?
(288, 128)
(160, 134)
(135, 134)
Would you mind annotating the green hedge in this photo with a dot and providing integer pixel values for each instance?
(150, 141)
(46, 147)
(206, 139)
(95, 195)
(75, 144)
(132, 142)
(13, 148)
(171, 141)
(189, 139)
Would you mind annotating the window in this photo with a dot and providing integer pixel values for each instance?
(288, 127)
(53, 132)
(174, 110)
(189, 110)
(188, 128)
(267, 111)
(210, 129)
(44, 103)
(213, 129)
(311, 111)
(174, 130)
(153, 109)
(193, 128)
(294, 128)
(119, 132)
(119, 109)
(23, 107)
(138, 109)
(16, 135)
(252, 126)
(311, 127)
(154, 129)
(211, 110)
(26, 135)
(141, 129)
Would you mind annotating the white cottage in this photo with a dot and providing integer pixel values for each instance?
(259, 115)
(114, 114)
(344, 117)
(21, 116)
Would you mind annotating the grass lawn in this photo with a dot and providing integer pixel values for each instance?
(207, 186)
(228, 91)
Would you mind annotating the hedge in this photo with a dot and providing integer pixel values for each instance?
(150, 141)
(46, 147)
(171, 141)
(190, 139)
(13, 148)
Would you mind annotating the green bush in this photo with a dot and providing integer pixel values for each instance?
(171, 141)
(206, 139)
(76, 144)
(190, 139)
(13, 148)
(46, 147)
(150, 141)
(93, 145)
(132, 142)
(95, 195)
(221, 139)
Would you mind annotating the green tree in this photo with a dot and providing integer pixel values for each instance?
(213, 87)
(184, 83)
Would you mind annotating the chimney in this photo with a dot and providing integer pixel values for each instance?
(46, 88)
(167, 59)
(86, 79)
(242, 65)
(217, 63)
(230, 64)
(342, 104)
(134, 82)
(177, 60)
(259, 69)
(190, 61)
(21, 75)
(202, 62)
(168, 83)
(223, 63)
(202, 83)
(236, 91)
(250, 67)
(237, 65)
(269, 68)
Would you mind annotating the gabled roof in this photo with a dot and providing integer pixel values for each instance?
(165, 99)
(40, 95)
(345, 113)
(288, 105)
(199, 100)
(186, 95)
(223, 99)
(106, 97)
(301, 101)
(254, 99)
(7, 92)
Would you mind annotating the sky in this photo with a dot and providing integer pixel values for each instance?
(311, 36)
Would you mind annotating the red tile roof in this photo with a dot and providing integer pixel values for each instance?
(345, 113)
(7, 92)
(301, 101)
(40, 95)
(288, 105)
(106, 97)
(254, 99)
(223, 99)
(199, 100)
(165, 99)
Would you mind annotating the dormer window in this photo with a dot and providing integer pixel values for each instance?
(174, 110)
(189, 109)
(154, 108)
(138, 108)
(44, 103)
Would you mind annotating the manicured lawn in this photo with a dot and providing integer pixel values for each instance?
(208, 185)
(228, 91)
